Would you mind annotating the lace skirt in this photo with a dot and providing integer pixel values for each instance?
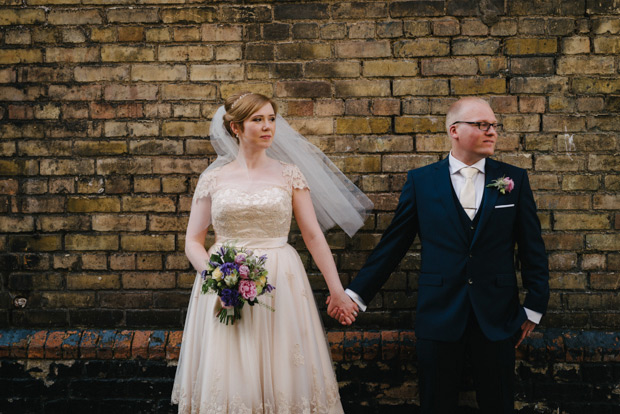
(267, 362)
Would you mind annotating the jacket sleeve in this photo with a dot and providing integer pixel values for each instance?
(392, 247)
(531, 251)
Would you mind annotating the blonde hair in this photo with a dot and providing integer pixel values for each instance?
(457, 108)
(241, 106)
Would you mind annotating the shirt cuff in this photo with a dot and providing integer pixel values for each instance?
(356, 298)
(531, 315)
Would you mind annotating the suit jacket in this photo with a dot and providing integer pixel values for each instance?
(461, 274)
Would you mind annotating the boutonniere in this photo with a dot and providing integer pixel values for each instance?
(504, 185)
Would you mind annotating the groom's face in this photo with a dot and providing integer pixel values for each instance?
(469, 143)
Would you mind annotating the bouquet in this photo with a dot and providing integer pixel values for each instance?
(237, 277)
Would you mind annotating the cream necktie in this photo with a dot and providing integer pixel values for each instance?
(468, 192)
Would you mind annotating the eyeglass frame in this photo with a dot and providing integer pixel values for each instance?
(495, 125)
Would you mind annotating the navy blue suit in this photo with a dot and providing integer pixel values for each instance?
(468, 298)
(463, 273)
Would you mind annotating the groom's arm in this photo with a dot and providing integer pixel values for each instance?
(393, 245)
(531, 252)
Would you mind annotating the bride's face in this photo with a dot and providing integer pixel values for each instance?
(259, 128)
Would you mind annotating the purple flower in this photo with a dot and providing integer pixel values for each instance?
(222, 251)
(228, 268)
(244, 271)
(269, 288)
(229, 298)
(240, 258)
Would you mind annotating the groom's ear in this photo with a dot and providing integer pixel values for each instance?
(452, 132)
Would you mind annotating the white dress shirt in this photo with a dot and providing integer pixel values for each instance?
(458, 180)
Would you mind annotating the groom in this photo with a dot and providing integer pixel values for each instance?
(469, 212)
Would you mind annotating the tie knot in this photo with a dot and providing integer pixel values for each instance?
(469, 172)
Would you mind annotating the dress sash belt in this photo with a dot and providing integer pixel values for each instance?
(254, 243)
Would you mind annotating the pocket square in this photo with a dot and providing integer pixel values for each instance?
(505, 206)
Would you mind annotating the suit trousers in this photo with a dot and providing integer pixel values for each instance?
(440, 368)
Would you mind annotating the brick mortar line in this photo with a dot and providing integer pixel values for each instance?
(554, 344)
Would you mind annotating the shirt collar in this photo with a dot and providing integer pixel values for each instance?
(456, 165)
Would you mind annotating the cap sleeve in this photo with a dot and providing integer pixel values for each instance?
(294, 177)
(205, 186)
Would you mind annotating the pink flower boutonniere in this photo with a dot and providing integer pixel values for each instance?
(504, 185)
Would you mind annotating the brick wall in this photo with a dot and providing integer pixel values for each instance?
(103, 371)
(105, 108)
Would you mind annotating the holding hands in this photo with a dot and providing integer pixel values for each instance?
(342, 308)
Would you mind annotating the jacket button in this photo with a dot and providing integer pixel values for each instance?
(470, 281)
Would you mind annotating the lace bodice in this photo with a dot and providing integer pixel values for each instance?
(262, 211)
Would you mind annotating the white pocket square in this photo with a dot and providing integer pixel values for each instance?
(505, 206)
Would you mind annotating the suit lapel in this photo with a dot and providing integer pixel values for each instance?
(443, 186)
(492, 172)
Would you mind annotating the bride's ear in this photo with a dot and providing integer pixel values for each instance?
(235, 128)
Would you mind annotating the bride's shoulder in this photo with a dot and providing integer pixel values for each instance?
(295, 178)
(207, 182)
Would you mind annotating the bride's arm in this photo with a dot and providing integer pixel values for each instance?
(321, 253)
(197, 226)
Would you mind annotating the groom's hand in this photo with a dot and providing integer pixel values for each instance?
(526, 329)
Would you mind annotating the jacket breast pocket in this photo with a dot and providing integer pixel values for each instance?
(430, 279)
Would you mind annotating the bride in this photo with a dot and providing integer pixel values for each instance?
(268, 362)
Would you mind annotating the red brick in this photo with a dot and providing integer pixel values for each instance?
(336, 340)
(122, 344)
(36, 347)
(173, 346)
(105, 346)
(19, 349)
(157, 345)
(389, 345)
(140, 345)
(70, 345)
(53, 345)
(371, 345)
(88, 344)
(352, 346)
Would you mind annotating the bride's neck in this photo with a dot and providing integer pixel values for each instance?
(253, 159)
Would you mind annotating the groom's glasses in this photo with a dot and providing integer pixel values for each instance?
(482, 126)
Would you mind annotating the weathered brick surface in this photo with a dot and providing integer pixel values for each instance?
(376, 368)
(105, 110)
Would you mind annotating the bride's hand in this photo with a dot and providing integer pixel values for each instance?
(342, 308)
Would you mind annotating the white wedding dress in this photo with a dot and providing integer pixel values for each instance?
(267, 362)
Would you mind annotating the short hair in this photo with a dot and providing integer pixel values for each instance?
(241, 106)
(457, 108)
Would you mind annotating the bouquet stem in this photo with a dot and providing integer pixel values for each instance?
(228, 315)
